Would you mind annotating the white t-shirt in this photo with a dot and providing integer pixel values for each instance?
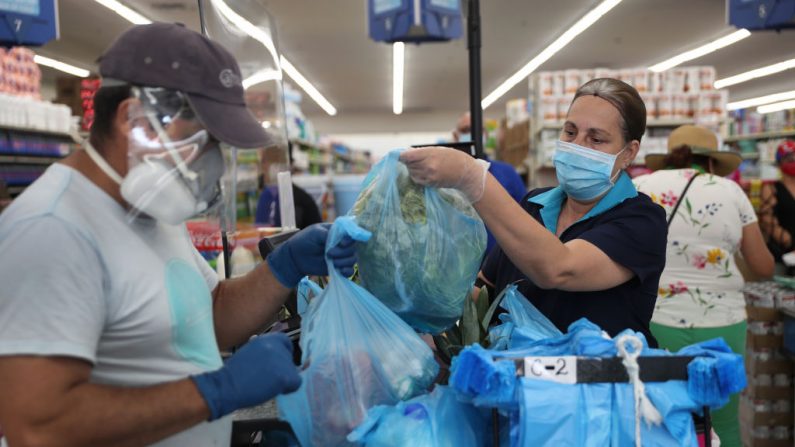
(701, 285)
(79, 279)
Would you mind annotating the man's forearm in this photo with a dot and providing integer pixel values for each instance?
(244, 306)
(91, 414)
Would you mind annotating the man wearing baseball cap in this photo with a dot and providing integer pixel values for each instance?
(110, 321)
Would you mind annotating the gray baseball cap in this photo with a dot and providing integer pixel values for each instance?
(171, 56)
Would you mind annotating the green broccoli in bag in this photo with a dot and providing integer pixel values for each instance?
(426, 248)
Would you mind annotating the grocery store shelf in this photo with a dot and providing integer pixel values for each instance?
(28, 159)
(34, 131)
(760, 136)
(749, 155)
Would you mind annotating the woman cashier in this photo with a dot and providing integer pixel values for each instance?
(592, 247)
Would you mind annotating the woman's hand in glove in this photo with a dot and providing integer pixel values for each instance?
(442, 167)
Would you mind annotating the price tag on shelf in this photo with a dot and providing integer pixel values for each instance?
(555, 369)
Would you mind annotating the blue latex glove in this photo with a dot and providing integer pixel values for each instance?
(304, 254)
(259, 371)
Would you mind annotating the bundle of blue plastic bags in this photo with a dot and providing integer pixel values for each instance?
(356, 354)
(544, 412)
(437, 419)
(426, 249)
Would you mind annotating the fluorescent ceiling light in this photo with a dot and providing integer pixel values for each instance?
(761, 100)
(398, 49)
(247, 27)
(756, 73)
(701, 51)
(262, 37)
(124, 11)
(310, 89)
(776, 107)
(584, 23)
(262, 76)
(58, 65)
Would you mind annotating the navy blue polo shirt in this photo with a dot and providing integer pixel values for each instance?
(629, 228)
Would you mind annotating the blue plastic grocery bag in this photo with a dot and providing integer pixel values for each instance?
(437, 419)
(522, 324)
(426, 248)
(356, 354)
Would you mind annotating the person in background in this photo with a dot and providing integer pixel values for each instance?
(777, 213)
(710, 218)
(592, 247)
(111, 323)
(268, 208)
(505, 174)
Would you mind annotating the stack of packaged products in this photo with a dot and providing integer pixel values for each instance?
(766, 413)
(749, 121)
(673, 97)
(677, 94)
(19, 73)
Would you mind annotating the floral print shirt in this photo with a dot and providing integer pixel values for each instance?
(701, 285)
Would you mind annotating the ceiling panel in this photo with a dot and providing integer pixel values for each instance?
(327, 41)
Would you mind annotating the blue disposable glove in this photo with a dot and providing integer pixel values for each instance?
(305, 254)
(259, 371)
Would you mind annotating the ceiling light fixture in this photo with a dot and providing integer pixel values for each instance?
(584, 23)
(770, 108)
(262, 76)
(756, 73)
(398, 49)
(262, 37)
(761, 100)
(124, 11)
(701, 51)
(58, 65)
(310, 89)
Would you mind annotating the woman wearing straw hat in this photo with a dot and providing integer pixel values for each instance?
(709, 218)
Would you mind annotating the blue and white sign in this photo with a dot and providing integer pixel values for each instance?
(28, 22)
(761, 14)
(414, 21)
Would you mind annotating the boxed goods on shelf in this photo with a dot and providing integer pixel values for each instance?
(33, 115)
(766, 409)
(19, 74)
(678, 94)
(515, 144)
(750, 122)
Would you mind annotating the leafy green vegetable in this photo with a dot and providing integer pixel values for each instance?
(426, 248)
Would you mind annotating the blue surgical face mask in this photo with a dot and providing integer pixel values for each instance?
(465, 137)
(584, 174)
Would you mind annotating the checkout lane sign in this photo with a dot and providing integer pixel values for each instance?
(27, 7)
(554, 369)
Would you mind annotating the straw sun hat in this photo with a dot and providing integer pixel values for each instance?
(701, 141)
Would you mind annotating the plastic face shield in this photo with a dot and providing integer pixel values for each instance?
(174, 164)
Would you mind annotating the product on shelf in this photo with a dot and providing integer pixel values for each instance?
(677, 94)
(672, 98)
(29, 114)
(19, 74)
(88, 88)
(749, 121)
(766, 405)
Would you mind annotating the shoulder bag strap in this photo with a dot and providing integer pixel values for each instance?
(681, 198)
